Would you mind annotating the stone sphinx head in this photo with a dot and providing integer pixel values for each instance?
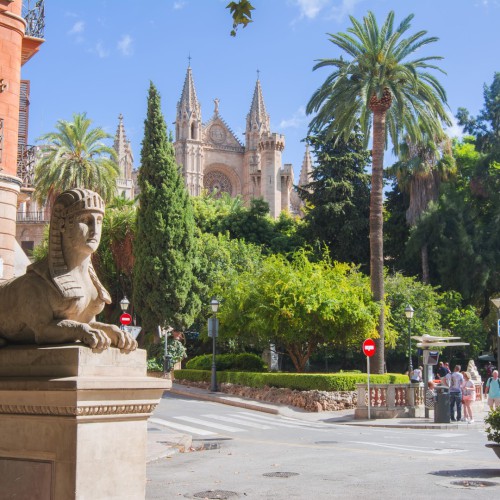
(75, 229)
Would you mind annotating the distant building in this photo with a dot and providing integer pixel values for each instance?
(214, 159)
(125, 158)
(21, 35)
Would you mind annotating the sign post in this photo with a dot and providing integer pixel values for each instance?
(368, 351)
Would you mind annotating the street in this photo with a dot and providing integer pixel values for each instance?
(247, 454)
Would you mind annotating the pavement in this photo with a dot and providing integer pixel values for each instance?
(163, 443)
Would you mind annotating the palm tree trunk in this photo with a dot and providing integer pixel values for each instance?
(376, 233)
(425, 264)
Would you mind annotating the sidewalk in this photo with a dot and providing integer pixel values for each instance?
(163, 443)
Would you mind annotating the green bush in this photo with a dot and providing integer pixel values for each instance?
(492, 422)
(244, 362)
(298, 381)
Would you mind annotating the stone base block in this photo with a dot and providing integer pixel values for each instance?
(74, 422)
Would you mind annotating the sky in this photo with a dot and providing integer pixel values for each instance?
(99, 57)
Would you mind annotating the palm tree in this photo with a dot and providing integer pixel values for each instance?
(380, 87)
(75, 156)
(421, 168)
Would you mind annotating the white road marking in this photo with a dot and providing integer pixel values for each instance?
(180, 427)
(237, 421)
(204, 423)
(293, 421)
(413, 449)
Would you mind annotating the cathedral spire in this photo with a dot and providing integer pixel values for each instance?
(120, 144)
(188, 103)
(306, 169)
(258, 118)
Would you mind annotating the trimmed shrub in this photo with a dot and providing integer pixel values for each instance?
(244, 362)
(299, 381)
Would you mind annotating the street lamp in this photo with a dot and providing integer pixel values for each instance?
(214, 330)
(124, 303)
(409, 315)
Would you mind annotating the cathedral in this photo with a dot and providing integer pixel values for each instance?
(214, 159)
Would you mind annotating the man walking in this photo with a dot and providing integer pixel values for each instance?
(493, 390)
(454, 381)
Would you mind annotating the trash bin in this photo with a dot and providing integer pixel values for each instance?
(442, 405)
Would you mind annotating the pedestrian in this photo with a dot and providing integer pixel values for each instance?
(469, 396)
(416, 375)
(430, 395)
(442, 370)
(454, 382)
(493, 390)
(489, 369)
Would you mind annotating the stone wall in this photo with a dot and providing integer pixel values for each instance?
(313, 401)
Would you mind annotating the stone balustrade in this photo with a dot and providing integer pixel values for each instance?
(396, 400)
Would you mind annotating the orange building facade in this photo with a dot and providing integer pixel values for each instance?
(17, 46)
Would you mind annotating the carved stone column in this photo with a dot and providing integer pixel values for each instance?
(74, 422)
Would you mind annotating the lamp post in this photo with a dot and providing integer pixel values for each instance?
(496, 303)
(214, 304)
(409, 315)
(124, 303)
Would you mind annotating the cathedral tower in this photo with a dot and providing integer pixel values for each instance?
(188, 136)
(125, 158)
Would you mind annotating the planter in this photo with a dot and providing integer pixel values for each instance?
(495, 447)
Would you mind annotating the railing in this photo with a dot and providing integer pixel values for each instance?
(396, 400)
(26, 158)
(31, 217)
(390, 400)
(34, 15)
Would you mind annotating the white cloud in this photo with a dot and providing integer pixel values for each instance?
(455, 130)
(346, 8)
(179, 5)
(125, 45)
(310, 8)
(77, 28)
(298, 119)
(101, 51)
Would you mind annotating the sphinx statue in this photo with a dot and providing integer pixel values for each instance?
(57, 300)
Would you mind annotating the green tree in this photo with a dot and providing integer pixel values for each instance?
(75, 156)
(421, 168)
(339, 196)
(486, 126)
(363, 89)
(299, 305)
(164, 283)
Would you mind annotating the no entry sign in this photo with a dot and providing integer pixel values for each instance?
(125, 319)
(369, 347)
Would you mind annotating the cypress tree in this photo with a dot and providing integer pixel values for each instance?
(164, 249)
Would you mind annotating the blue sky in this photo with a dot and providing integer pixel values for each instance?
(100, 55)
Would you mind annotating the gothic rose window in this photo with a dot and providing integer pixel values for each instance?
(217, 181)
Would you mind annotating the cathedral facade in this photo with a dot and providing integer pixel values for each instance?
(214, 159)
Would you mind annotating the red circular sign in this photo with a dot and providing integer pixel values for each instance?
(125, 319)
(369, 347)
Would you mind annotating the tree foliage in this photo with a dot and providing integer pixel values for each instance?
(298, 305)
(164, 282)
(241, 12)
(339, 197)
(75, 156)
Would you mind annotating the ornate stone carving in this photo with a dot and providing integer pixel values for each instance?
(56, 301)
(77, 411)
(218, 182)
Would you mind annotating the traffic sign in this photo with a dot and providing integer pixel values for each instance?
(369, 347)
(125, 319)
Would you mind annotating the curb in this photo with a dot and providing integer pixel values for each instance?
(221, 399)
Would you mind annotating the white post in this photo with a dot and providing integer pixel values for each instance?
(368, 370)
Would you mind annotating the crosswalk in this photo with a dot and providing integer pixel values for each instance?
(211, 424)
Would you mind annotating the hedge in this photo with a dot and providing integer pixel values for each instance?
(242, 362)
(298, 381)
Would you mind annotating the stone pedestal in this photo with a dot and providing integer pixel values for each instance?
(73, 423)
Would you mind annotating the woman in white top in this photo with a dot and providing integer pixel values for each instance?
(468, 396)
